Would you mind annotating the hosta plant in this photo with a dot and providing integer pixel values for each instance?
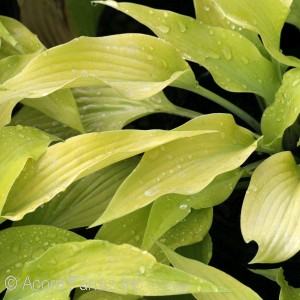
(72, 156)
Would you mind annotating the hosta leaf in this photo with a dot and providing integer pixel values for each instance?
(176, 206)
(293, 17)
(28, 116)
(18, 144)
(96, 295)
(121, 269)
(255, 16)
(234, 62)
(22, 244)
(65, 162)
(201, 251)
(284, 111)
(235, 289)
(129, 229)
(271, 209)
(84, 200)
(208, 12)
(102, 108)
(17, 39)
(121, 61)
(183, 167)
(60, 106)
(287, 292)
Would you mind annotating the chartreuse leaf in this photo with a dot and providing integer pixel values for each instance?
(28, 116)
(234, 62)
(235, 289)
(271, 208)
(293, 17)
(121, 61)
(176, 206)
(255, 16)
(283, 112)
(60, 106)
(96, 295)
(122, 269)
(18, 144)
(17, 39)
(287, 292)
(183, 167)
(84, 200)
(22, 244)
(129, 229)
(79, 156)
(208, 12)
(101, 109)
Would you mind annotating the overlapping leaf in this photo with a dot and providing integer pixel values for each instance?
(235, 289)
(76, 158)
(183, 167)
(121, 61)
(18, 144)
(83, 201)
(22, 244)
(60, 106)
(235, 63)
(176, 206)
(283, 112)
(271, 209)
(255, 16)
(104, 266)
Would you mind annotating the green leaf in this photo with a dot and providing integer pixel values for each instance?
(129, 229)
(28, 116)
(96, 295)
(234, 62)
(17, 39)
(185, 166)
(97, 264)
(235, 289)
(84, 200)
(22, 244)
(60, 106)
(121, 61)
(287, 292)
(294, 15)
(255, 16)
(65, 162)
(83, 17)
(18, 144)
(271, 209)
(283, 112)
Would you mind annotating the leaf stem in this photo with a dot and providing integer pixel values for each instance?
(183, 112)
(226, 104)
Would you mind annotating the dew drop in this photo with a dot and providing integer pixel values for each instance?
(137, 238)
(18, 265)
(232, 26)
(142, 269)
(149, 56)
(211, 31)
(151, 191)
(151, 12)
(206, 8)
(183, 206)
(182, 27)
(245, 60)
(166, 14)
(163, 28)
(227, 53)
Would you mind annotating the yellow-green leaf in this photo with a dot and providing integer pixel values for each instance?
(22, 244)
(103, 266)
(234, 62)
(65, 162)
(271, 208)
(235, 289)
(185, 166)
(18, 144)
